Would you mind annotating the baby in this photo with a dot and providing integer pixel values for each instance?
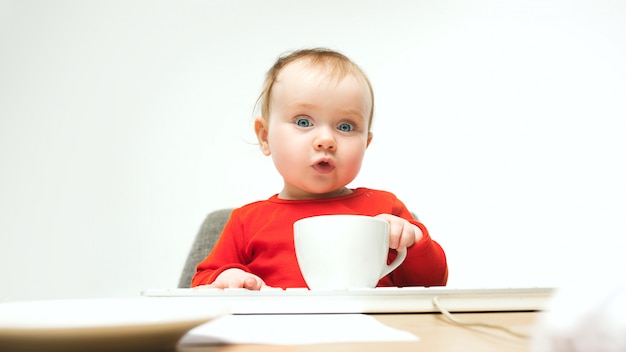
(316, 115)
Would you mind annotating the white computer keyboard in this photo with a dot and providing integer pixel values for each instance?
(375, 300)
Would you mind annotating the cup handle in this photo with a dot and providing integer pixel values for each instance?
(396, 263)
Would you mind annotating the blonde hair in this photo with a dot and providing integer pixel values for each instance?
(338, 65)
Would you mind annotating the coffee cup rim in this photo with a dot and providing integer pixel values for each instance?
(365, 217)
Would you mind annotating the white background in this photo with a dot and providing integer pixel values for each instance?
(123, 123)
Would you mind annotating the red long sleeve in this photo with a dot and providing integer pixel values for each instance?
(259, 238)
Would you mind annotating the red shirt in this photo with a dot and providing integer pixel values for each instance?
(258, 238)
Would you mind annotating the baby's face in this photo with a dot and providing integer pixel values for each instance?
(318, 130)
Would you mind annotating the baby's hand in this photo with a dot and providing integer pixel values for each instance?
(237, 278)
(402, 234)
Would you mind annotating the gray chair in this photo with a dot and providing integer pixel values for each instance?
(203, 243)
(205, 240)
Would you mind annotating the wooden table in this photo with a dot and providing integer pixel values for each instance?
(436, 333)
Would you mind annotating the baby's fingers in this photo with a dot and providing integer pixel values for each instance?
(252, 283)
(395, 234)
(217, 284)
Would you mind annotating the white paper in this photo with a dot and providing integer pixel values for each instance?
(289, 329)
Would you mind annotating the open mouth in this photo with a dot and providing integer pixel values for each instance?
(323, 167)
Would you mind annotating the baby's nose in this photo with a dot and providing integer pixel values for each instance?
(325, 141)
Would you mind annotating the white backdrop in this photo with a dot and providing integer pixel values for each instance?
(123, 123)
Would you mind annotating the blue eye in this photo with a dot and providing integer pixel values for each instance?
(345, 127)
(303, 122)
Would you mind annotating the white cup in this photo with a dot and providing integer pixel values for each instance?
(339, 252)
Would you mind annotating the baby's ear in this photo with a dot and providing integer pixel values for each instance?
(261, 130)
(369, 139)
